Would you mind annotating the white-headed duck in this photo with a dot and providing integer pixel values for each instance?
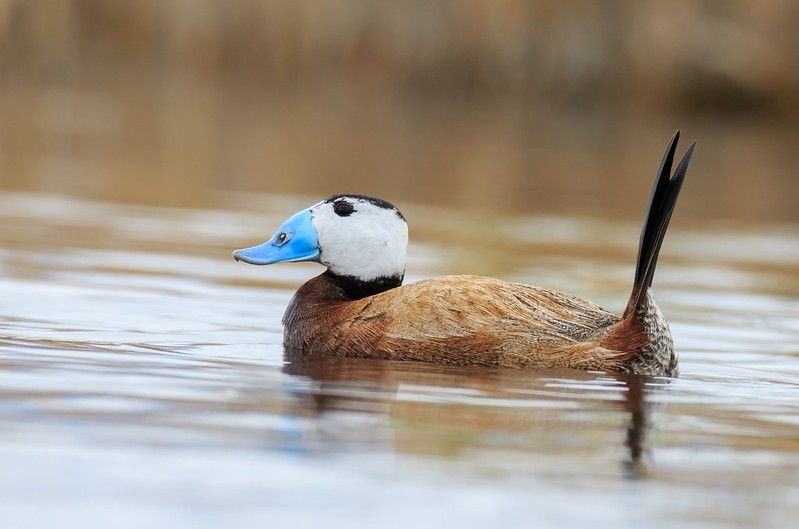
(358, 307)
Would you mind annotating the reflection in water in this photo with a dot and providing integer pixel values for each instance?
(635, 405)
(530, 401)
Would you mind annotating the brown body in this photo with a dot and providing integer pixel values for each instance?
(471, 320)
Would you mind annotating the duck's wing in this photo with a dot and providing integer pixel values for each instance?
(470, 320)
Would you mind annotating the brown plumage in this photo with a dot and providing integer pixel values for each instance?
(471, 320)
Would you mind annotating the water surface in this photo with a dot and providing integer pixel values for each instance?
(143, 382)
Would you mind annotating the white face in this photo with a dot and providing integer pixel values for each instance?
(360, 237)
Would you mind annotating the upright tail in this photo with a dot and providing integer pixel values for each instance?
(661, 205)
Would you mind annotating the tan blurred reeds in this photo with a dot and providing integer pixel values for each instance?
(528, 106)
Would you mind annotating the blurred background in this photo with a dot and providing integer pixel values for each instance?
(510, 105)
(142, 375)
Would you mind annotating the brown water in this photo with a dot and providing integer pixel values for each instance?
(143, 384)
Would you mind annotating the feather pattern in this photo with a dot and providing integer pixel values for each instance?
(461, 320)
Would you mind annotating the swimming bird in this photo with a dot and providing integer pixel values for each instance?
(358, 306)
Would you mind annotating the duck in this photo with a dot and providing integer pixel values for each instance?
(359, 307)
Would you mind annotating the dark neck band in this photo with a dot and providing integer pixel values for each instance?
(353, 288)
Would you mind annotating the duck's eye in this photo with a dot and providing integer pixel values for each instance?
(281, 239)
(343, 209)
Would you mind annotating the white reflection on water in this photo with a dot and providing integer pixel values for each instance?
(143, 384)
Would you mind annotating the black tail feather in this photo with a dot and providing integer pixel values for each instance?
(661, 205)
